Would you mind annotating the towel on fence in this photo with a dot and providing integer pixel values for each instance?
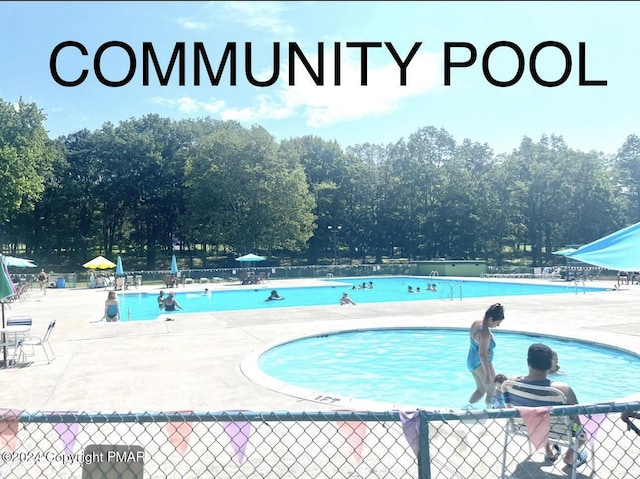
(538, 422)
(411, 428)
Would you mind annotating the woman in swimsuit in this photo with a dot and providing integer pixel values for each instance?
(170, 303)
(111, 308)
(480, 357)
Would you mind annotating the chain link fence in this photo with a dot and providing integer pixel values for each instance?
(337, 444)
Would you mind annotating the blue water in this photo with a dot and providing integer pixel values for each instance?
(427, 367)
(143, 306)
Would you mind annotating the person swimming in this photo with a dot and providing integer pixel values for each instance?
(161, 300)
(497, 401)
(555, 367)
(345, 299)
(274, 296)
(170, 303)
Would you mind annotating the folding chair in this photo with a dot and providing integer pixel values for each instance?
(561, 429)
(33, 341)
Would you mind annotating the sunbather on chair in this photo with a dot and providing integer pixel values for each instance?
(539, 362)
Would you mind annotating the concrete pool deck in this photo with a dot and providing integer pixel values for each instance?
(194, 362)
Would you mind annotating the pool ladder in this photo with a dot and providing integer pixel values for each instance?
(576, 283)
(449, 290)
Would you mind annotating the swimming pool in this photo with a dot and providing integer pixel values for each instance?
(143, 306)
(426, 367)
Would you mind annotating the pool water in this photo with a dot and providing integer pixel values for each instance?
(427, 367)
(143, 306)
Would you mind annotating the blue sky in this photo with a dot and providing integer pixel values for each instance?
(588, 117)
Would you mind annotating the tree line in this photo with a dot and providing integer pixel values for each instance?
(217, 188)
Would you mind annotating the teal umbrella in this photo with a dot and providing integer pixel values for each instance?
(6, 289)
(250, 257)
(6, 285)
(19, 262)
(564, 252)
(119, 269)
(174, 265)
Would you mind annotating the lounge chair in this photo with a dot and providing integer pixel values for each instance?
(561, 429)
(169, 281)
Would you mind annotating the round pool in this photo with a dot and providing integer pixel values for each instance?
(426, 367)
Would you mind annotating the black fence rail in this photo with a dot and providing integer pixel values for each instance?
(337, 444)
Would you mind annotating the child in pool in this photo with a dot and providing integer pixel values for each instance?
(555, 367)
(497, 401)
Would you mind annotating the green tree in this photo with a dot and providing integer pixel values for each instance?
(468, 206)
(535, 183)
(416, 179)
(627, 176)
(593, 208)
(27, 156)
(327, 170)
(244, 192)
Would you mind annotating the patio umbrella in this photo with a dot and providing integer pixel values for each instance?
(99, 262)
(619, 250)
(119, 270)
(250, 257)
(564, 252)
(19, 262)
(6, 289)
(174, 265)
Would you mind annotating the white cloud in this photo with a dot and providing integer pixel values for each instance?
(259, 15)
(186, 104)
(328, 104)
(192, 24)
(264, 108)
(383, 93)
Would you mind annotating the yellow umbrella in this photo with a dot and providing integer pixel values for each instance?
(99, 262)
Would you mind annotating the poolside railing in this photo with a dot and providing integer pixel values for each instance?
(417, 444)
(449, 289)
(576, 284)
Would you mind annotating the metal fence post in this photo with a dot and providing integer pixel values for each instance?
(424, 466)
